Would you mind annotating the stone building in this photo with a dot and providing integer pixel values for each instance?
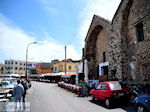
(125, 43)
(96, 48)
(130, 41)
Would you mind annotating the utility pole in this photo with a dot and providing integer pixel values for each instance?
(83, 58)
(65, 58)
(27, 57)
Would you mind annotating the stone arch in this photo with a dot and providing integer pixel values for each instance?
(97, 25)
(124, 40)
(90, 51)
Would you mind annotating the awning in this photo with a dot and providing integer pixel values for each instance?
(68, 75)
(10, 75)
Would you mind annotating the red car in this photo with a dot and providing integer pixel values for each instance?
(109, 92)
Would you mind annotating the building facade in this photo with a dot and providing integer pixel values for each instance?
(124, 43)
(1, 68)
(42, 68)
(130, 41)
(17, 66)
(96, 48)
(70, 66)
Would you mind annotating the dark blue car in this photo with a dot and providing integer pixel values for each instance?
(142, 103)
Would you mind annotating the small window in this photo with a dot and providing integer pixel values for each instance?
(16, 68)
(69, 67)
(103, 87)
(104, 57)
(8, 68)
(140, 32)
(16, 63)
(8, 62)
(12, 63)
(20, 63)
(55, 69)
(5, 62)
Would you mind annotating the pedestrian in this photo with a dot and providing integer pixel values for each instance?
(17, 93)
(25, 90)
(24, 93)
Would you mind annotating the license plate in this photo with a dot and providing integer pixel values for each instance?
(120, 94)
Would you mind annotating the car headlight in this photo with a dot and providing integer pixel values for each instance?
(147, 100)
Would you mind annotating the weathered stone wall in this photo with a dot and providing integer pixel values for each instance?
(115, 43)
(102, 45)
(130, 58)
(92, 45)
(139, 52)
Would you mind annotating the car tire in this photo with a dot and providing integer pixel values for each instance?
(93, 98)
(108, 103)
(140, 108)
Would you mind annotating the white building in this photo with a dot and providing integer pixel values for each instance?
(17, 66)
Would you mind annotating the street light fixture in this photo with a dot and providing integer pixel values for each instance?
(27, 56)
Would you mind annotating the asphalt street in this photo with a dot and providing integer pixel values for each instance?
(47, 97)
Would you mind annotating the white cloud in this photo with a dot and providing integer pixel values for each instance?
(13, 43)
(103, 8)
(48, 7)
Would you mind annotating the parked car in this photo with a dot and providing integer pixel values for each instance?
(141, 99)
(6, 85)
(110, 91)
(5, 93)
(142, 103)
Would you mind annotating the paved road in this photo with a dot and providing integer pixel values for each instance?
(46, 97)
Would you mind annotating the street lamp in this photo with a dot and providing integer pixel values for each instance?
(27, 56)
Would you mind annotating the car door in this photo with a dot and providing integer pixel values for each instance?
(97, 91)
(103, 92)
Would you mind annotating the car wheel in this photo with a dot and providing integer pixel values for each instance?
(93, 98)
(140, 108)
(108, 103)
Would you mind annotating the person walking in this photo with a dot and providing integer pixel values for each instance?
(17, 93)
(24, 93)
(25, 90)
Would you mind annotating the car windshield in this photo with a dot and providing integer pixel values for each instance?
(6, 84)
(115, 86)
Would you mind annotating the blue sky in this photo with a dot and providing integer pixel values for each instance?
(52, 23)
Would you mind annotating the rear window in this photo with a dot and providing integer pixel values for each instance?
(115, 86)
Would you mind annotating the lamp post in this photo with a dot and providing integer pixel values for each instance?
(27, 56)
